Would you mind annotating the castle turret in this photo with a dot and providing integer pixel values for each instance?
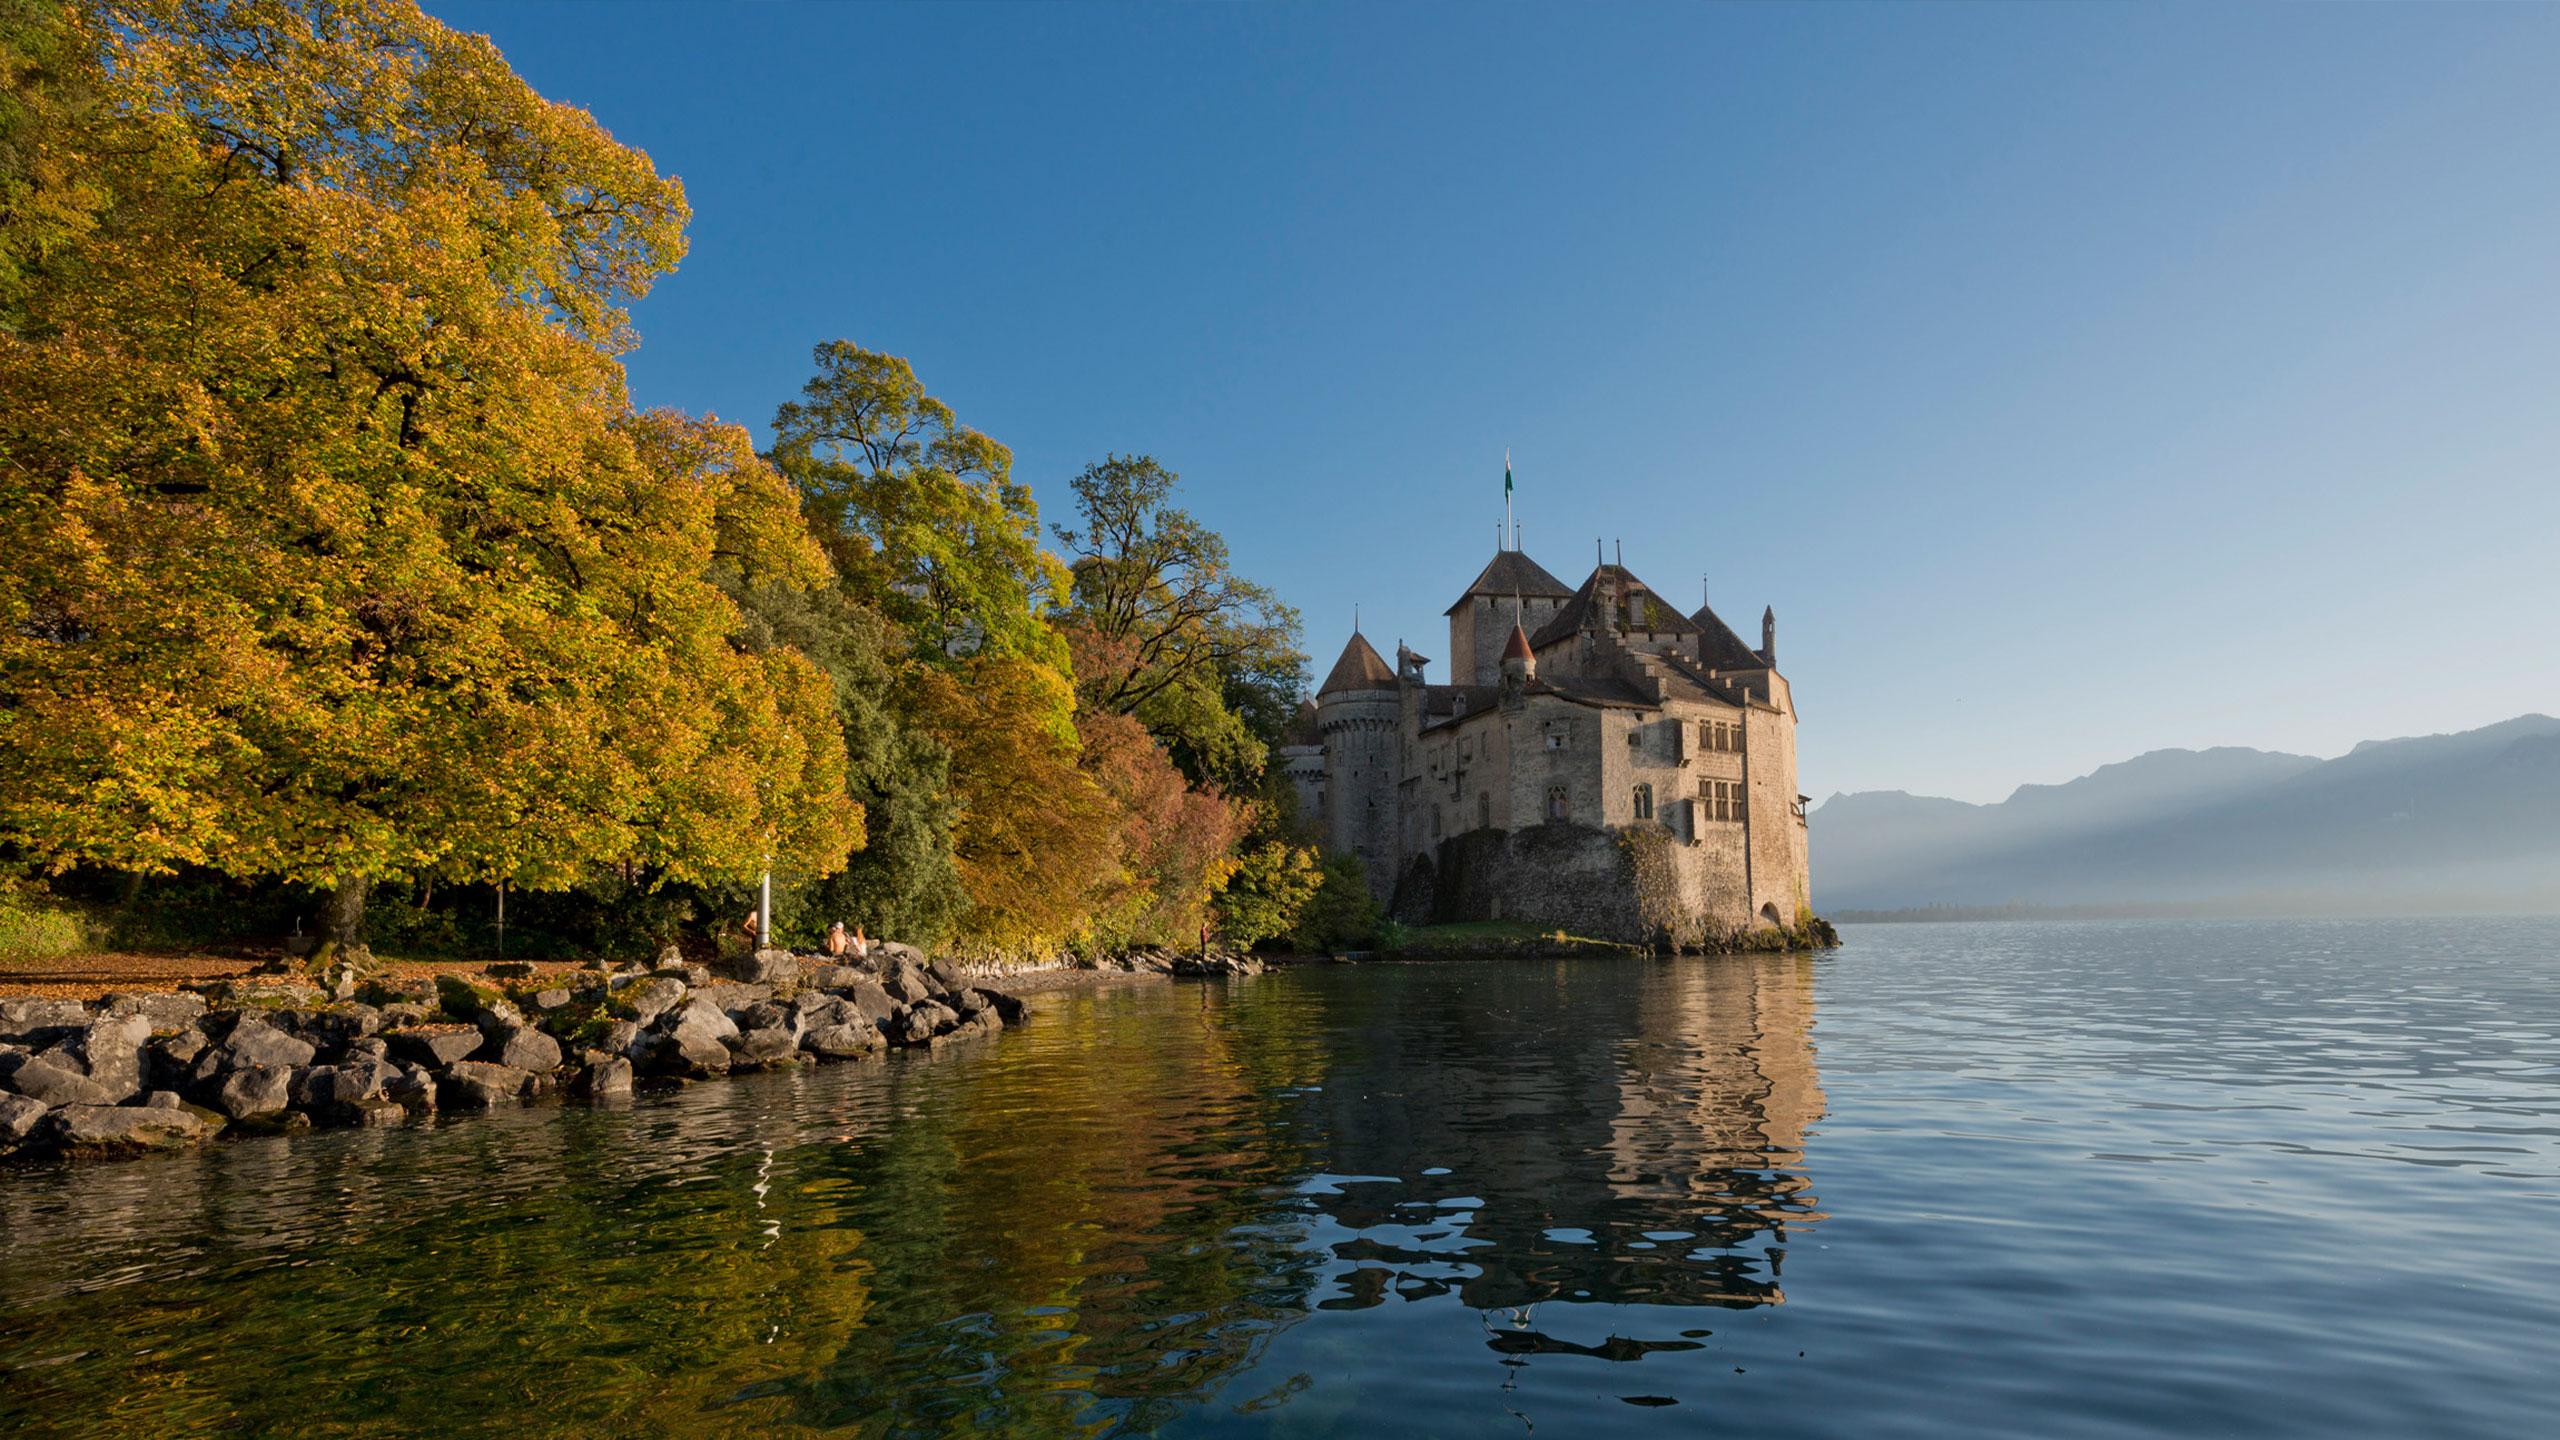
(1519, 667)
(1769, 636)
(1359, 713)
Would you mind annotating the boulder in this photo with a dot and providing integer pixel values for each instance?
(833, 977)
(393, 994)
(165, 1012)
(1009, 1007)
(123, 1129)
(842, 1040)
(691, 1052)
(475, 1085)
(670, 958)
(373, 1045)
(414, 1089)
(434, 1046)
(734, 999)
(618, 1037)
(872, 1001)
(555, 998)
(462, 998)
(762, 1046)
(769, 967)
(251, 1091)
(816, 1009)
(110, 1049)
(171, 1060)
(521, 1047)
(923, 1020)
(509, 969)
(888, 953)
(19, 1117)
(164, 1100)
(654, 997)
(35, 1022)
(55, 1079)
(945, 979)
(257, 992)
(699, 1013)
(377, 1113)
(330, 1091)
(604, 1076)
(399, 1013)
(907, 983)
(969, 1027)
(767, 1015)
(255, 1042)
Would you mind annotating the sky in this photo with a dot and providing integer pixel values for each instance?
(2074, 381)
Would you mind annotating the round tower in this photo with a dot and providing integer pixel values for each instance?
(1358, 712)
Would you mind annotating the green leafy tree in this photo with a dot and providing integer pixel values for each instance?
(1163, 629)
(331, 547)
(1342, 912)
(1269, 890)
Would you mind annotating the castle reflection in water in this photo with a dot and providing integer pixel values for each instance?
(1600, 1142)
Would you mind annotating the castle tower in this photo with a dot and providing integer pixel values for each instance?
(1512, 592)
(1359, 713)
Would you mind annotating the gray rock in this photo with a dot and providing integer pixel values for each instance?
(251, 1091)
(163, 1100)
(164, 1012)
(521, 1047)
(555, 998)
(111, 1049)
(377, 1113)
(329, 1090)
(842, 1040)
(762, 1046)
(768, 1015)
(833, 976)
(769, 967)
(57, 1082)
(414, 1089)
(970, 1027)
(702, 1015)
(19, 1116)
(693, 1052)
(474, 1085)
(123, 1129)
(966, 1000)
(945, 979)
(733, 998)
(619, 1037)
(1008, 1007)
(922, 1022)
(654, 997)
(872, 1001)
(434, 1046)
(509, 969)
(257, 992)
(887, 953)
(402, 1013)
(907, 984)
(373, 1045)
(39, 1021)
(816, 1010)
(670, 958)
(254, 1042)
(608, 1075)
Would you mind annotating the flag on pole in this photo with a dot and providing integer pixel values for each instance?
(1506, 475)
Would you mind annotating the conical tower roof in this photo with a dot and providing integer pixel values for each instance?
(1719, 648)
(1360, 668)
(1513, 573)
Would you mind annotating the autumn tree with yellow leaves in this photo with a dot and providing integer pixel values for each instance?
(331, 547)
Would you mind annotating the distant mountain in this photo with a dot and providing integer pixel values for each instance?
(2475, 814)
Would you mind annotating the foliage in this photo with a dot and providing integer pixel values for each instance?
(1269, 891)
(1341, 913)
(35, 931)
(921, 514)
(903, 881)
(1036, 836)
(1163, 629)
(1176, 842)
(330, 546)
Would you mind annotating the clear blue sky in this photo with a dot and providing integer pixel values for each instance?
(2075, 381)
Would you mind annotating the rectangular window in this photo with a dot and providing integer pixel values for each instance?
(1484, 811)
(1559, 798)
(1737, 735)
(1726, 809)
(1635, 737)
(1644, 802)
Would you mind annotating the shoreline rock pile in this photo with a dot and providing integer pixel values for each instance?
(137, 1072)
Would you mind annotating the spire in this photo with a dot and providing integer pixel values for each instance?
(1360, 668)
(1769, 636)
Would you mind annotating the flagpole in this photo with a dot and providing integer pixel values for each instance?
(1506, 496)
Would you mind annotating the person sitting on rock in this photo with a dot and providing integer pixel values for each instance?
(837, 941)
(861, 944)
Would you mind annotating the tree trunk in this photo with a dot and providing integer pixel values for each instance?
(341, 920)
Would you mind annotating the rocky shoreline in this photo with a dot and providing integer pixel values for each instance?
(137, 1072)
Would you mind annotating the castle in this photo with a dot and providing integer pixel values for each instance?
(1600, 763)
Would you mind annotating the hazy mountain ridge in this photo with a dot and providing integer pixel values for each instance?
(2470, 813)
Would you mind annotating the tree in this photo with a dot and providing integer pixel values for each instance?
(1163, 629)
(330, 545)
(921, 514)
(1176, 842)
(1342, 912)
(1036, 837)
(1270, 888)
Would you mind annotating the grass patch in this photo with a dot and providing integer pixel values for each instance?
(41, 932)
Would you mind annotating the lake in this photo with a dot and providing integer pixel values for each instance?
(2106, 1179)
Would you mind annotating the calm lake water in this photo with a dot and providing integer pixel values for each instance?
(2224, 1178)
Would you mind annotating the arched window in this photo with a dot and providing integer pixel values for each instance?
(1644, 802)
